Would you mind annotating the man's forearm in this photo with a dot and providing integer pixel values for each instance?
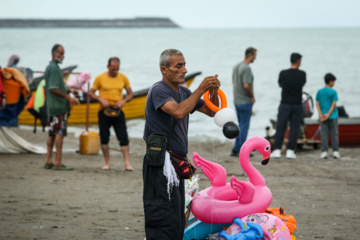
(318, 109)
(186, 106)
(249, 92)
(59, 93)
(129, 97)
(92, 95)
(333, 105)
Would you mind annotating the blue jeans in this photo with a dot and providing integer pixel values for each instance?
(9, 115)
(243, 113)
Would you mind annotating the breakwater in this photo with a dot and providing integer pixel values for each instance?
(139, 22)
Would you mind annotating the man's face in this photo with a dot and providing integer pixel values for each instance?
(176, 71)
(332, 83)
(59, 55)
(113, 68)
(253, 56)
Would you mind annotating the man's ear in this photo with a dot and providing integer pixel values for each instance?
(163, 69)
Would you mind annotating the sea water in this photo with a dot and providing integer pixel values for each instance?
(211, 51)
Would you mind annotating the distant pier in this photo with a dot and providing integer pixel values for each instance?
(139, 22)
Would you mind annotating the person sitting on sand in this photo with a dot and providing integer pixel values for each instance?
(110, 85)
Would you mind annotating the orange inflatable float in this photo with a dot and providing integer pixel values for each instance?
(289, 220)
(211, 105)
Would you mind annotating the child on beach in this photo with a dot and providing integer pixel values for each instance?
(326, 99)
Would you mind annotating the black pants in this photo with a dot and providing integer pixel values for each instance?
(119, 124)
(288, 113)
(164, 218)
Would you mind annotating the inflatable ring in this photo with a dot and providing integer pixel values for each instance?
(211, 105)
(222, 202)
(273, 228)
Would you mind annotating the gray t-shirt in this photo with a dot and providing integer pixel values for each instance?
(159, 122)
(242, 74)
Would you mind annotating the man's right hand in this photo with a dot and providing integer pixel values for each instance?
(75, 92)
(73, 101)
(209, 83)
(105, 103)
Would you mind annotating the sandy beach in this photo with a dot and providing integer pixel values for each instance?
(89, 203)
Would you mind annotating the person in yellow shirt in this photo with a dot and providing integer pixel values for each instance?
(111, 85)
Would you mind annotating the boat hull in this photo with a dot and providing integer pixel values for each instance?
(349, 131)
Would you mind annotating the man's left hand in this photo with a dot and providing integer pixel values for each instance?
(209, 83)
(120, 104)
(75, 92)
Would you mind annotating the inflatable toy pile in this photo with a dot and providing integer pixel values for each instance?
(241, 207)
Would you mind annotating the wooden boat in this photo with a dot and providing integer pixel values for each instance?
(349, 133)
(349, 127)
(349, 130)
(133, 109)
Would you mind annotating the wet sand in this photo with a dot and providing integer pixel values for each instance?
(89, 203)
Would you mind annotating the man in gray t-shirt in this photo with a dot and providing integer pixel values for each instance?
(243, 82)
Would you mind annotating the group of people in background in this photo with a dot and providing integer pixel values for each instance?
(58, 101)
(290, 110)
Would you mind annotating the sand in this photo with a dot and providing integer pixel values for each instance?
(89, 203)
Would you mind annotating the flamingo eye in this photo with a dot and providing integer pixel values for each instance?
(267, 148)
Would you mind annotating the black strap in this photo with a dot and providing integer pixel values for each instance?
(34, 131)
(281, 211)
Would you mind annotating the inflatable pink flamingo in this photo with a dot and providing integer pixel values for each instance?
(223, 202)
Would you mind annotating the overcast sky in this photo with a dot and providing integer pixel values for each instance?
(198, 13)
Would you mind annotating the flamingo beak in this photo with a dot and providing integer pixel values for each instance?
(265, 161)
(266, 158)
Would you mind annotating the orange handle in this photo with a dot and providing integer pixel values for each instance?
(211, 105)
